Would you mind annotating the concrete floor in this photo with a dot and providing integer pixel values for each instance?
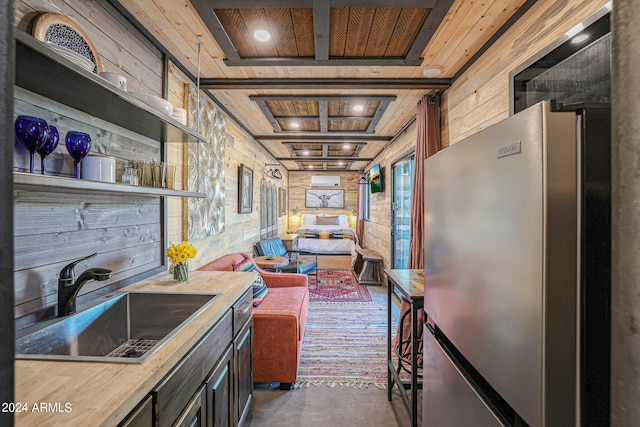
(325, 406)
(330, 406)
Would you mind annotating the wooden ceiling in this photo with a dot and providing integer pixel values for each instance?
(295, 92)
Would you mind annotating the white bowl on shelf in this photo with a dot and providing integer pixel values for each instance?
(115, 79)
(155, 102)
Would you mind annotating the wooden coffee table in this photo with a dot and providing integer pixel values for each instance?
(273, 264)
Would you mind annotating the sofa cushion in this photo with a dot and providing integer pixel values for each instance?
(244, 265)
(260, 291)
(290, 301)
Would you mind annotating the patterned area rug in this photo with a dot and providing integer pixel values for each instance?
(344, 345)
(337, 286)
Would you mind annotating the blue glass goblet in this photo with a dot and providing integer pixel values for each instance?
(31, 132)
(78, 144)
(48, 146)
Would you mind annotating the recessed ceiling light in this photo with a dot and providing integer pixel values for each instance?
(346, 146)
(305, 153)
(358, 107)
(340, 163)
(431, 71)
(580, 38)
(295, 125)
(262, 35)
(310, 166)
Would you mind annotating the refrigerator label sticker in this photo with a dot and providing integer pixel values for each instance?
(508, 150)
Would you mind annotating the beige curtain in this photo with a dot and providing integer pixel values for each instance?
(427, 143)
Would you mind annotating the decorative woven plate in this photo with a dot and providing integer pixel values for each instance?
(62, 31)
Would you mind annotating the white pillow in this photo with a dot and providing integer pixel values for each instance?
(308, 219)
(343, 220)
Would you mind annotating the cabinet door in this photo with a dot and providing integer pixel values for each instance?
(220, 392)
(142, 416)
(194, 413)
(243, 359)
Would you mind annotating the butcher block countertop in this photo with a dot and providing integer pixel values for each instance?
(103, 394)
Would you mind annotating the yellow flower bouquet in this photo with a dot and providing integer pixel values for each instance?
(179, 254)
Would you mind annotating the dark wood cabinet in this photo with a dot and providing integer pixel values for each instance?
(220, 392)
(212, 386)
(141, 416)
(194, 415)
(243, 361)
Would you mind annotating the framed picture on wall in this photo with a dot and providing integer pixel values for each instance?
(282, 201)
(324, 199)
(245, 189)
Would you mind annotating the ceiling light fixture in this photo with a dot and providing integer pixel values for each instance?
(262, 35)
(340, 163)
(305, 153)
(431, 71)
(310, 166)
(346, 146)
(295, 125)
(358, 107)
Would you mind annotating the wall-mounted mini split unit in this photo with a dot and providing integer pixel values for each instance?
(325, 181)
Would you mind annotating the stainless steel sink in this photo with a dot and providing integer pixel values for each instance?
(126, 328)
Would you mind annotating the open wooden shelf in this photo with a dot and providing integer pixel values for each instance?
(56, 184)
(41, 70)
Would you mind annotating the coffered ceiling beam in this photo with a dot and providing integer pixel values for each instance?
(324, 159)
(203, 7)
(243, 84)
(322, 98)
(321, 15)
(330, 118)
(428, 29)
(331, 62)
(254, 4)
(324, 137)
(323, 107)
(376, 118)
(290, 144)
(267, 113)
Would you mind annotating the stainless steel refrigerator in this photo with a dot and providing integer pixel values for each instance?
(517, 273)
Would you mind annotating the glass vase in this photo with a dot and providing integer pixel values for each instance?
(180, 272)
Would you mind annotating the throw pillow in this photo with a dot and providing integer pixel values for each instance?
(327, 220)
(244, 265)
(260, 291)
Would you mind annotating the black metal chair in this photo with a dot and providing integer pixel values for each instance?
(276, 247)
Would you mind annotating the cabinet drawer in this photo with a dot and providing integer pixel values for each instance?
(242, 310)
(174, 392)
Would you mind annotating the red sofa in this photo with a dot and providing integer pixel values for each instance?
(278, 322)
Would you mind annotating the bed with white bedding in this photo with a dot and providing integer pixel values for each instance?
(328, 234)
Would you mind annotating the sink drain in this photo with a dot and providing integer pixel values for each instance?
(133, 348)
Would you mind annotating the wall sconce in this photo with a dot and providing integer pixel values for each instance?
(294, 213)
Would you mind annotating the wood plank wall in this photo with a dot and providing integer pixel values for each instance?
(52, 230)
(299, 181)
(242, 231)
(479, 97)
(377, 230)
